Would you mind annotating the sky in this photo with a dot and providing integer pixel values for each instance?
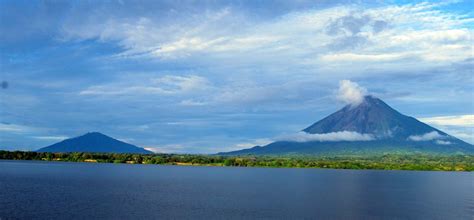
(213, 76)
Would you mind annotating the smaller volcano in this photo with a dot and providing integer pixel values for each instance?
(389, 131)
(94, 142)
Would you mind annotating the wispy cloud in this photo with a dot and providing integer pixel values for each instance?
(169, 148)
(459, 126)
(190, 102)
(13, 128)
(455, 120)
(166, 85)
(52, 138)
(441, 142)
(256, 142)
(388, 33)
(434, 135)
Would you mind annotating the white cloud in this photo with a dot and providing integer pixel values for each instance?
(190, 102)
(183, 47)
(245, 144)
(169, 148)
(152, 149)
(13, 128)
(338, 35)
(434, 135)
(174, 84)
(166, 85)
(353, 57)
(351, 93)
(327, 137)
(456, 120)
(441, 142)
(52, 138)
(21, 129)
(459, 126)
(463, 133)
(257, 142)
(238, 94)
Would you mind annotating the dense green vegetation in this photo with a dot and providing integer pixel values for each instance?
(385, 162)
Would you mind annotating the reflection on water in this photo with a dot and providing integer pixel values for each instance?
(80, 190)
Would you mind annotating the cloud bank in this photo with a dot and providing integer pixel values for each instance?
(351, 93)
(434, 135)
(328, 137)
(441, 142)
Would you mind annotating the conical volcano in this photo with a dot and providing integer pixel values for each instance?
(372, 116)
(370, 126)
(94, 142)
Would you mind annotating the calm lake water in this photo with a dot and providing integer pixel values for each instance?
(61, 190)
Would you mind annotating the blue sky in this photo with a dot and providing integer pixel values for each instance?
(207, 76)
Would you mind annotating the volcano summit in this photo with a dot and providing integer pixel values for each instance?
(371, 126)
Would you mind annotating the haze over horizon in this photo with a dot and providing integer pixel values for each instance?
(209, 76)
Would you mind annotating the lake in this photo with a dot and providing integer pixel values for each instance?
(61, 190)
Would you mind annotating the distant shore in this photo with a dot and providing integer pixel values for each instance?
(378, 162)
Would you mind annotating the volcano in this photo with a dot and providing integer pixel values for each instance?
(94, 142)
(369, 127)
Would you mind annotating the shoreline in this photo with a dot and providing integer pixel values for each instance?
(265, 167)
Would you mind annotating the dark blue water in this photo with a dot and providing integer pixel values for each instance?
(57, 190)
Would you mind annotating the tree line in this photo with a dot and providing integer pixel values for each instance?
(384, 162)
